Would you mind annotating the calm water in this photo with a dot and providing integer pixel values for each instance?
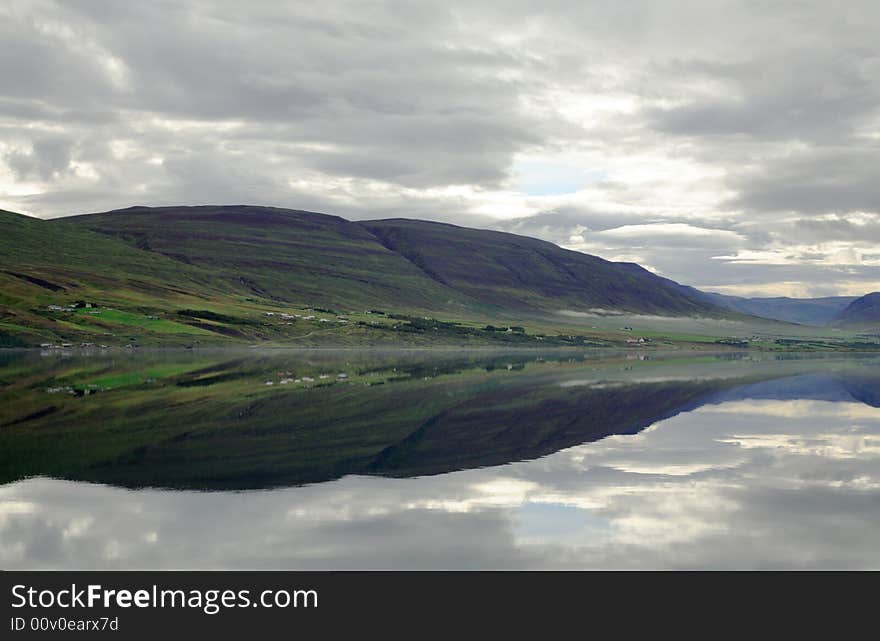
(438, 460)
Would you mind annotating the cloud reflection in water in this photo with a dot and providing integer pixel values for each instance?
(744, 483)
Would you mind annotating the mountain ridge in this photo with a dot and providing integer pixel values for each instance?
(437, 250)
(818, 312)
(542, 274)
(202, 274)
(862, 312)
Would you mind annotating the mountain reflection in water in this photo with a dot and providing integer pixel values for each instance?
(502, 461)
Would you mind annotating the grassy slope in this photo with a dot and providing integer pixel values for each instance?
(317, 259)
(142, 296)
(46, 263)
(863, 312)
(526, 274)
(293, 256)
(211, 275)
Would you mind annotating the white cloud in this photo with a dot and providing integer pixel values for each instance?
(758, 125)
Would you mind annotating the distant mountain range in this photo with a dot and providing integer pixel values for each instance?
(836, 311)
(202, 271)
(805, 311)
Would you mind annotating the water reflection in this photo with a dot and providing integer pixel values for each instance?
(675, 463)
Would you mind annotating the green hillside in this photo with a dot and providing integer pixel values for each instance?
(219, 274)
(526, 274)
(281, 254)
(50, 264)
(400, 264)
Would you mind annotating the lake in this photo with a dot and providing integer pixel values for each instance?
(438, 460)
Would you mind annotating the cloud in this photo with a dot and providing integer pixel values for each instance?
(671, 234)
(48, 156)
(756, 122)
(813, 182)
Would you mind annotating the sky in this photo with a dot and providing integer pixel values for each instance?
(731, 146)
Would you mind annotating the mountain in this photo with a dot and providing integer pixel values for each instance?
(194, 274)
(53, 263)
(526, 274)
(862, 312)
(405, 264)
(67, 254)
(804, 311)
(280, 254)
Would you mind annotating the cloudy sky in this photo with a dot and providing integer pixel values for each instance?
(729, 145)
